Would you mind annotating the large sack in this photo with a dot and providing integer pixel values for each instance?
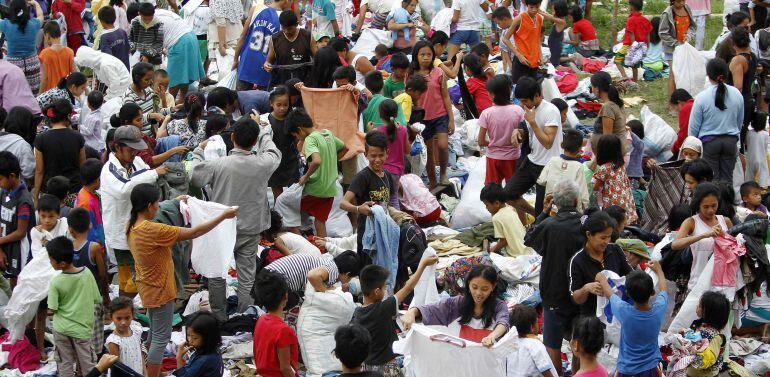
(471, 134)
(338, 224)
(521, 269)
(229, 80)
(658, 135)
(689, 69)
(471, 211)
(320, 315)
(225, 63)
(369, 39)
(287, 205)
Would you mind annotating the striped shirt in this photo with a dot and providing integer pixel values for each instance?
(149, 102)
(295, 268)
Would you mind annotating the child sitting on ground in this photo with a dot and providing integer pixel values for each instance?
(587, 341)
(482, 51)
(381, 58)
(276, 349)
(713, 312)
(530, 357)
(583, 34)
(287, 243)
(58, 186)
(352, 343)
(751, 201)
(509, 230)
(126, 340)
(202, 346)
(640, 323)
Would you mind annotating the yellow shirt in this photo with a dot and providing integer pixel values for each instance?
(508, 226)
(405, 101)
(95, 6)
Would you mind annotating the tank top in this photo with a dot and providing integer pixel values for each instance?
(682, 24)
(293, 52)
(527, 38)
(748, 77)
(82, 258)
(433, 100)
(703, 249)
(555, 42)
(256, 46)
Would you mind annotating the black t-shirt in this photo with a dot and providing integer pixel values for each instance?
(61, 155)
(379, 318)
(288, 170)
(369, 187)
(583, 270)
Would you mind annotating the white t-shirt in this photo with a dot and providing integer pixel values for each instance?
(546, 115)
(381, 7)
(130, 347)
(299, 245)
(529, 359)
(471, 14)
(174, 27)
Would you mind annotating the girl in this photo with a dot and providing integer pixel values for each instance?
(325, 62)
(713, 314)
(696, 172)
(287, 243)
(681, 101)
(498, 122)
(58, 151)
(477, 314)
(20, 33)
(287, 172)
(611, 118)
(583, 34)
(131, 115)
(126, 340)
(653, 58)
(531, 357)
(697, 231)
(743, 69)
(203, 339)
(756, 154)
(477, 82)
(676, 25)
(556, 37)
(438, 108)
(610, 180)
(150, 244)
(141, 93)
(398, 145)
(192, 129)
(70, 87)
(587, 341)
(20, 121)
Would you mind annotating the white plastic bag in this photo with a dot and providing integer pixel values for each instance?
(472, 134)
(287, 205)
(31, 288)
(521, 269)
(689, 68)
(338, 224)
(211, 252)
(657, 132)
(229, 81)
(471, 211)
(225, 63)
(369, 39)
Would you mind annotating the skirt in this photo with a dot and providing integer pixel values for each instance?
(185, 58)
(31, 67)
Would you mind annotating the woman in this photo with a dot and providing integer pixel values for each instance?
(20, 121)
(20, 33)
(325, 62)
(12, 140)
(478, 315)
(58, 151)
(226, 21)
(716, 118)
(69, 88)
(676, 25)
(403, 25)
(359, 62)
(191, 129)
(141, 93)
(743, 69)
(611, 119)
(150, 244)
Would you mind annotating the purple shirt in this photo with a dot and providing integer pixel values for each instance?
(395, 161)
(14, 89)
(500, 121)
(115, 42)
(448, 310)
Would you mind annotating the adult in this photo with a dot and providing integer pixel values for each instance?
(403, 24)
(681, 101)
(151, 244)
(254, 45)
(359, 62)
(69, 88)
(190, 129)
(292, 49)
(716, 119)
(611, 118)
(123, 171)
(181, 45)
(557, 239)
(380, 10)
(544, 128)
(743, 69)
(16, 144)
(141, 93)
(14, 88)
(325, 62)
(58, 151)
(477, 314)
(224, 28)
(20, 32)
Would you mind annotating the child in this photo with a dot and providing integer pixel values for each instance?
(17, 202)
(467, 16)
(146, 35)
(637, 29)
(352, 343)
(567, 167)
(202, 344)
(113, 40)
(378, 313)
(126, 340)
(287, 172)
(634, 169)
(160, 81)
(287, 243)
(583, 34)
(476, 82)
(610, 180)
(640, 323)
(381, 58)
(91, 127)
(72, 16)
(321, 149)
(681, 101)
(371, 117)
(509, 230)
(653, 59)
(713, 313)
(324, 20)
(751, 197)
(415, 87)
(530, 357)
(398, 145)
(556, 36)
(503, 19)
(482, 51)
(527, 33)
(637, 253)
(498, 122)
(676, 24)
(56, 61)
(71, 297)
(440, 41)
(89, 200)
(756, 154)
(394, 84)
(587, 341)
(272, 336)
(58, 186)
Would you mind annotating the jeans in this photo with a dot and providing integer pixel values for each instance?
(160, 331)
(721, 153)
(246, 247)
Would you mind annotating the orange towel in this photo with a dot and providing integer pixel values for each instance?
(335, 110)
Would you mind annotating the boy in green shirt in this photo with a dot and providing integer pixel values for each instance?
(394, 84)
(322, 150)
(371, 116)
(71, 298)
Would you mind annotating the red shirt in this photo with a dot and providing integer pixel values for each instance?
(684, 125)
(71, 12)
(639, 25)
(147, 154)
(585, 28)
(478, 90)
(270, 334)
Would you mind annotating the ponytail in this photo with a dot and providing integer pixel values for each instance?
(115, 121)
(194, 104)
(719, 99)
(716, 70)
(391, 130)
(132, 221)
(388, 113)
(614, 96)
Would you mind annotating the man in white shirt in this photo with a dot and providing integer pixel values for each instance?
(468, 16)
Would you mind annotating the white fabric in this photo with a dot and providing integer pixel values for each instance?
(130, 347)
(298, 244)
(472, 134)
(287, 205)
(658, 132)
(425, 292)
(39, 237)
(343, 12)
(199, 301)
(369, 39)
(416, 196)
(225, 63)
(689, 69)
(529, 359)
(546, 115)
(336, 246)
(756, 154)
(174, 27)
(442, 21)
(229, 81)
(703, 249)
(471, 211)
(520, 269)
(319, 317)
(338, 224)
(381, 7)
(215, 148)
(211, 252)
(471, 14)
(107, 69)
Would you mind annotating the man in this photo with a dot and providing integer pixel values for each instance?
(290, 46)
(254, 44)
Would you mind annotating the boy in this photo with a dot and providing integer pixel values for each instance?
(394, 84)
(637, 253)
(371, 116)
(751, 201)
(381, 58)
(467, 16)
(509, 230)
(567, 167)
(415, 87)
(527, 32)
(324, 19)
(379, 313)
(71, 297)
(531, 357)
(91, 127)
(16, 218)
(253, 46)
(276, 348)
(640, 323)
(90, 255)
(58, 186)
(51, 225)
(56, 61)
(352, 344)
(146, 35)
(113, 40)
(322, 149)
(160, 82)
(638, 28)
(89, 200)
(503, 19)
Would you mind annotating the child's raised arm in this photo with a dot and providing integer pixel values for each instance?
(606, 289)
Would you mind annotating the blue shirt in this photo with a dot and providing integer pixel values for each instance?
(254, 54)
(254, 100)
(20, 44)
(209, 365)
(639, 350)
(707, 120)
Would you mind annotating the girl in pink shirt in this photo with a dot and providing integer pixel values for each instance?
(498, 122)
(587, 341)
(398, 145)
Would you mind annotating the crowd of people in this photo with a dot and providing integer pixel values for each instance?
(101, 166)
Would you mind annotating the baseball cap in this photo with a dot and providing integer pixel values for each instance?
(130, 136)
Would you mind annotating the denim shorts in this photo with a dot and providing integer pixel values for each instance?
(435, 126)
(469, 37)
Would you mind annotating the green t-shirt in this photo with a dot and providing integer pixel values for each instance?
(372, 112)
(392, 88)
(72, 297)
(322, 184)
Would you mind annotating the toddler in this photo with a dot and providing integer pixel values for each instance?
(530, 357)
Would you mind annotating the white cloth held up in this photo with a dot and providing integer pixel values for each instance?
(211, 252)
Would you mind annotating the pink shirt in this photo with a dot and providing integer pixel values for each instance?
(699, 7)
(500, 121)
(395, 161)
(433, 100)
(599, 371)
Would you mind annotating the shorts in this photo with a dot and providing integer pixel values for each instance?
(654, 372)
(499, 170)
(435, 126)
(125, 271)
(469, 37)
(557, 325)
(668, 57)
(316, 207)
(523, 179)
(203, 47)
(620, 56)
(520, 70)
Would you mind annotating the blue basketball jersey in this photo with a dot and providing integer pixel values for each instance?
(257, 45)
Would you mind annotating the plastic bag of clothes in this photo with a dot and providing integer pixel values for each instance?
(521, 269)
(369, 39)
(471, 211)
(689, 69)
(287, 205)
(472, 134)
(338, 224)
(319, 317)
(229, 80)
(658, 135)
